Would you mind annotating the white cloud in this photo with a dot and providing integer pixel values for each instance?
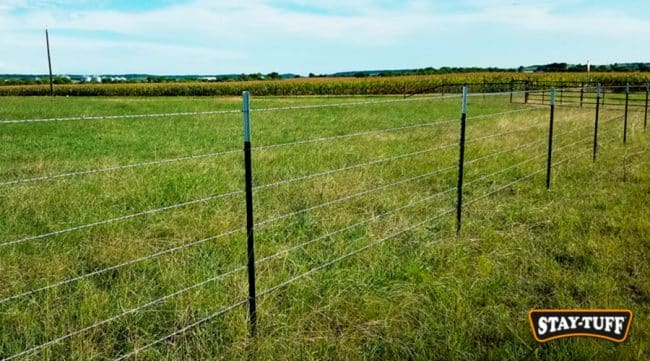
(203, 31)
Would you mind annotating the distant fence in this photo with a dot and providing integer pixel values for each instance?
(534, 98)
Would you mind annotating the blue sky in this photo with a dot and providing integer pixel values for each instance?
(218, 37)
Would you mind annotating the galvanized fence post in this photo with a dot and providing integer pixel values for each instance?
(550, 141)
(596, 123)
(645, 116)
(582, 93)
(627, 100)
(461, 162)
(252, 308)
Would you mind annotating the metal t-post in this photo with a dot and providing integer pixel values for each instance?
(252, 309)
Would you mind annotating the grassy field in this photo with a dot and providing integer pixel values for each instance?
(422, 294)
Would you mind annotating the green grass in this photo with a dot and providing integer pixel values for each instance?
(424, 294)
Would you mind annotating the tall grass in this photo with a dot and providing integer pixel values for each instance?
(426, 294)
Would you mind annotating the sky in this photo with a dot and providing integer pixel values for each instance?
(297, 36)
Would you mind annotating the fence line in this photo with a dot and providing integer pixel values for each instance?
(222, 235)
(164, 298)
(262, 147)
(268, 221)
(316, 269)
(269, 109)
(286, 283)
(222, 195)
(119, 167)
(125, 116)
(277, 218)
(241, 268)
(260, 224)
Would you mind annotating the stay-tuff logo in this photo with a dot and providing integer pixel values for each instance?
(612, 325)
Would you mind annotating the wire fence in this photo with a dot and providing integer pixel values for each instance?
(529, 153)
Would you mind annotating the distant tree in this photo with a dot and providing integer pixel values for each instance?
(273, 76)
(554, 67)
(61, 80)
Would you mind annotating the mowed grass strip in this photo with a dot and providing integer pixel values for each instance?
(424, 294)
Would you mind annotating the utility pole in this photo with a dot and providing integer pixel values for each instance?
(49, 62)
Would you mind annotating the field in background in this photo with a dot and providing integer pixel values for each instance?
(405, 85)
(424, 294)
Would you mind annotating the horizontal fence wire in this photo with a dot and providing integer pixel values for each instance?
(275, 219)
(271, 220)
(234, 111)
(355, 166)
(262, 147)
(285, 284)
(222, 235)
(195, 286)
(223, 275)
(124, 116)
(118, 167)
(120, 265)
(316, 269)
(216, 112)
(121, 218)
(518, 180)
(223, 195)
(162, 299)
